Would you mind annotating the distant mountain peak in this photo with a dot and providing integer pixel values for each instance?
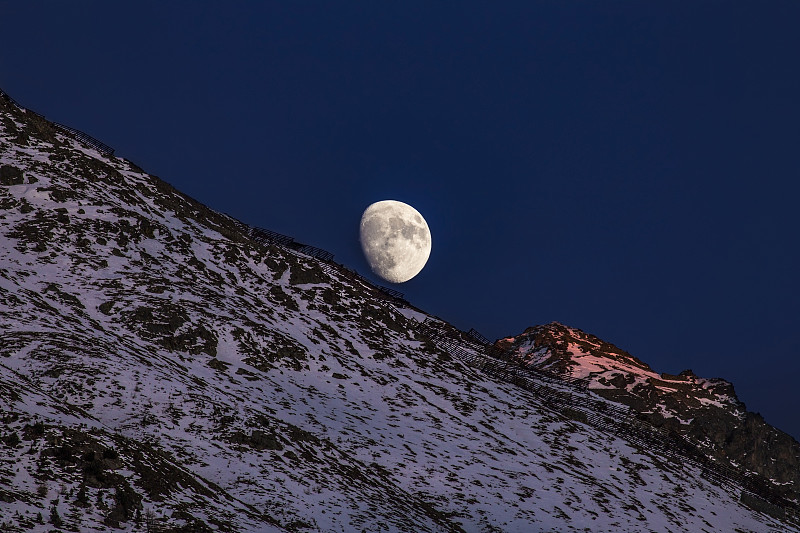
(576, 354)
(571, 351)
(704, 410)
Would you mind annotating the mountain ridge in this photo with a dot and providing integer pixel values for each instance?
(179, 374)
(707, 411)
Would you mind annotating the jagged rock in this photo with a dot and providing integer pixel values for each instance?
(706, 410)
(10, 175)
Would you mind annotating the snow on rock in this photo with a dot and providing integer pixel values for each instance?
(705, 411)
(160, 368)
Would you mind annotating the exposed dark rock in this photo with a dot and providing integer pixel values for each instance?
(300, 275)
(10, 175)
(258, 440)
(126, 502)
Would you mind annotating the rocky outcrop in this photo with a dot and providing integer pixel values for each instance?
(707, 411)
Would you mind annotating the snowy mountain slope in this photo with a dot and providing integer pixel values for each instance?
(706, 411)
(159, 366)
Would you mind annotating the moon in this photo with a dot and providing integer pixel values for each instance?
(395, 239)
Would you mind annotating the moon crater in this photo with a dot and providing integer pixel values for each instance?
(395, 239)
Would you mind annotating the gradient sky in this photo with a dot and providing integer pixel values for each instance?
(631, 169)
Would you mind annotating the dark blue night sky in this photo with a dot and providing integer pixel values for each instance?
(628, 168)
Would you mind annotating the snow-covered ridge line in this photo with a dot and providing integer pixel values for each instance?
(605, 416)
(63, 128)
(706, 412)
(609, 417)
(265, 236)
(601, 414)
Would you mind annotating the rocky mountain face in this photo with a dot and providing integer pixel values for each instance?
(162, 369)
(706, 411)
